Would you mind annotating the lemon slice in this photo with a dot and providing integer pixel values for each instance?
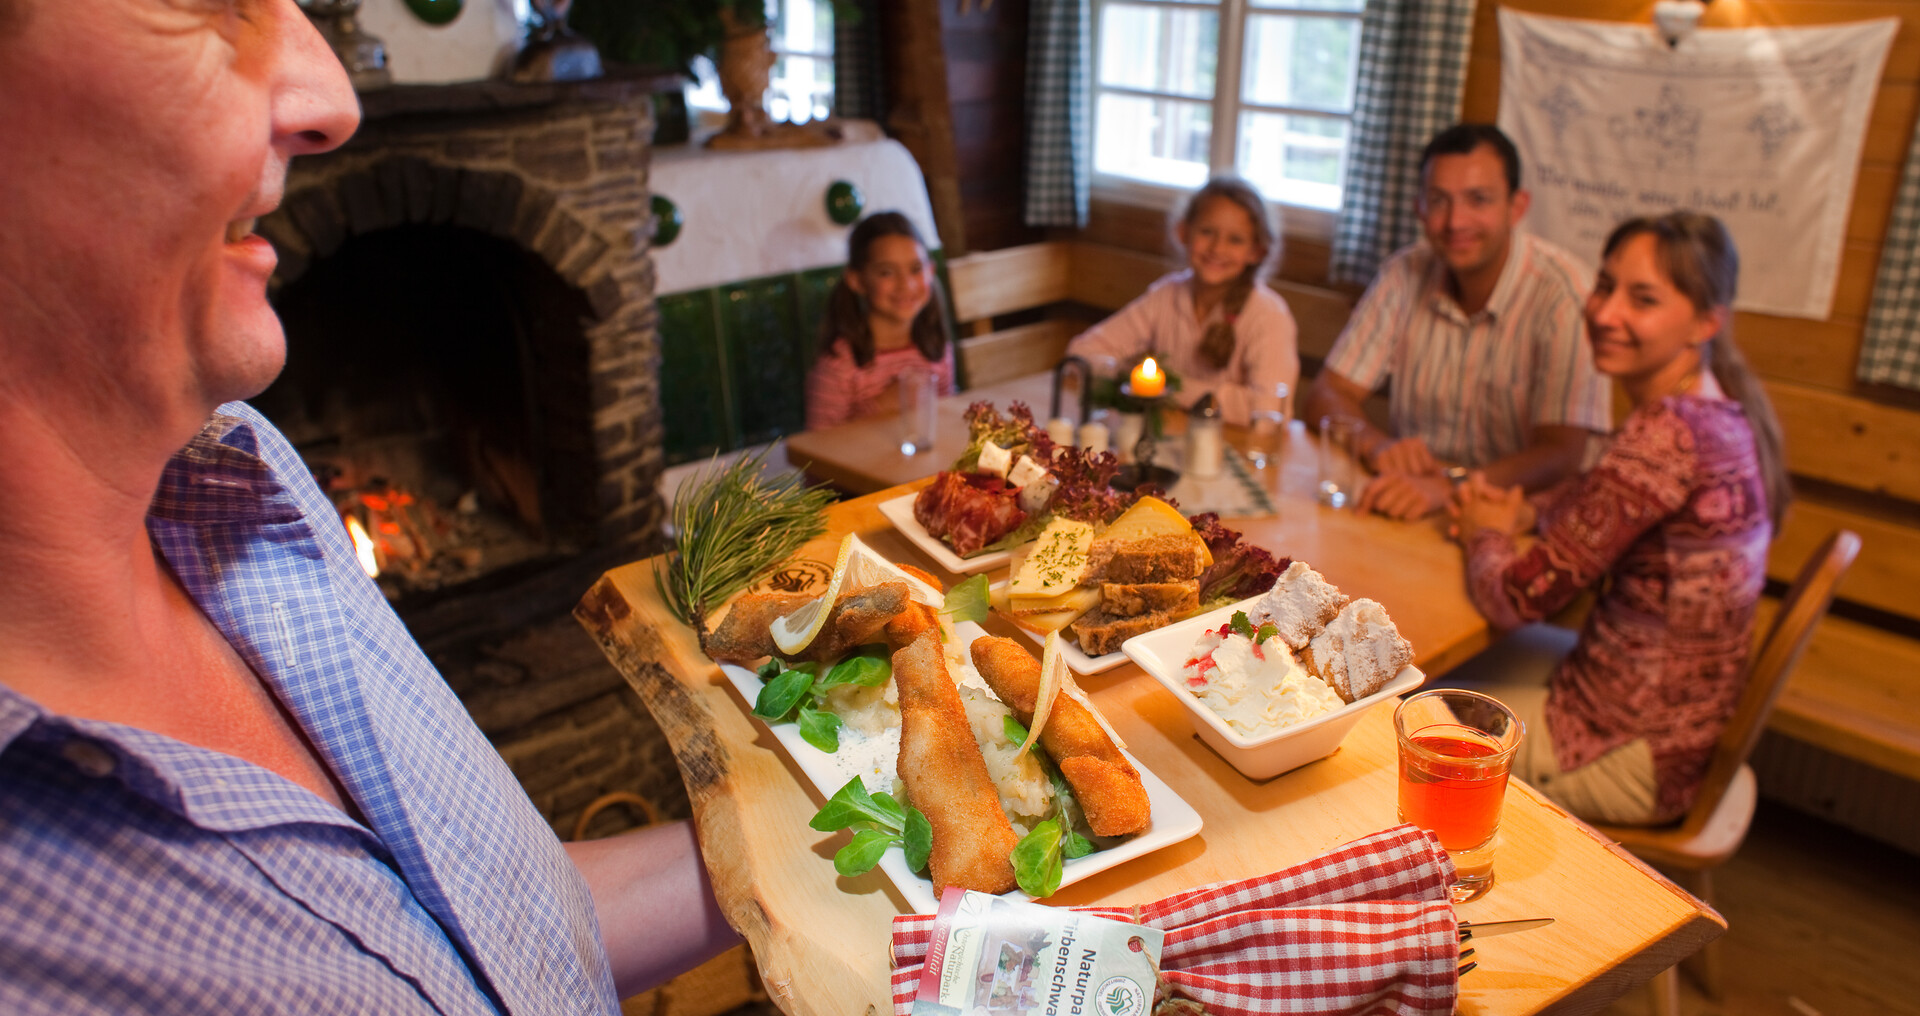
(855, 567)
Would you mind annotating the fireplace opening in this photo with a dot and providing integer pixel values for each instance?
(437, 385)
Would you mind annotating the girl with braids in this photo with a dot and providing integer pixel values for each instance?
(884, 316)
(1214, 324)
(1671, 525)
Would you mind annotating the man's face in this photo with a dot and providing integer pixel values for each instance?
(143, 139)
(1467, 211)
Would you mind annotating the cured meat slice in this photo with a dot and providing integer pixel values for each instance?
(968, 510)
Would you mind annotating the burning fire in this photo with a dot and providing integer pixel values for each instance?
(363, 546)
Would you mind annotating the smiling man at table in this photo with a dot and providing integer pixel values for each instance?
(1479, 329)
(229, 780)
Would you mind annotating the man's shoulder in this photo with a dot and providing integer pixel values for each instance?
(1554, 267)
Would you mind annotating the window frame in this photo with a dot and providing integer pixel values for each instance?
(1306, 221)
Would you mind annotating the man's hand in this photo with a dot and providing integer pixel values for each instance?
(1407, 455)
(1404, 496)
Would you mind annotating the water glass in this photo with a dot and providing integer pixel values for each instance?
(1268, 431)
(1339, 461)
(919, 398)
(1456, 749)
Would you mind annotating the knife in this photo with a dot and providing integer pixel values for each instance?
(1469, 929)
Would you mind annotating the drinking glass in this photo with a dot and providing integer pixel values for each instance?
(1456, 748)
(1268, 433)
(1339, 461)
(919, 394)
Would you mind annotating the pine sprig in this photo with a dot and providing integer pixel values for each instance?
(733, 525)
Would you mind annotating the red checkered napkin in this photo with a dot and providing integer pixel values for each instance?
(1367, 928)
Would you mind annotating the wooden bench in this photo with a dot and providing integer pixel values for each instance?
(1856, 693)
(1066, 278)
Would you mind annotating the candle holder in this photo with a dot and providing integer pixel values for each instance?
(1143, 470)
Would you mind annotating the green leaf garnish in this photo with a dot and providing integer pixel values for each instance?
(859, 857)
(1267, 631)
(968, 601)
(769, 670)
(1077, 845)
(883, 823)
(1240, 625)
(1014, 730)
(1038, 862)
(820, 728)
(869, 668)
(778, 696)
(917, 840)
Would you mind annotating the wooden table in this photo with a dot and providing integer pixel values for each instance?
(821, 940)
(864, 456)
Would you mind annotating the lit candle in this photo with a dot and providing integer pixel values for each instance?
(1148, 381)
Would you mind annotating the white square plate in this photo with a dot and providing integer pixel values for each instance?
(1173, 819)
(1163, 654)
(899, 511)
(1077, 659)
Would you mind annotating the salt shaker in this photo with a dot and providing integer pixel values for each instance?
(1206, 444)
(1060, 429)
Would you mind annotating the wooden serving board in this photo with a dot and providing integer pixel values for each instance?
(821, 941)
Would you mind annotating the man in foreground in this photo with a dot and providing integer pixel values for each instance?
(1479, 329)
(229, 781)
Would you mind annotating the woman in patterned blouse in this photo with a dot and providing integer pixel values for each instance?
(1670, 527)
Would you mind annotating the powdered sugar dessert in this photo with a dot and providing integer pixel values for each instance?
(1299, 605)
(1359, 650)
(1256, 687)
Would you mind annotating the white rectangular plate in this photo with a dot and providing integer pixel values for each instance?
(1077, 659)
(899, 511)
(1173, 819)
(1162, 653)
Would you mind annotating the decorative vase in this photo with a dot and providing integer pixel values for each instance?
(746, 68)
(554, 52)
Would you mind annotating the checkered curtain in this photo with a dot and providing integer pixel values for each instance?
(1059, 157)
(1890, 352)
(1412, 69)
(856, 63)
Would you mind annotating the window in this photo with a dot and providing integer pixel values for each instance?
(1264, 88)
(801, 86)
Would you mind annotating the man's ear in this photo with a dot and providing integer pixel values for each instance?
(1522, 198)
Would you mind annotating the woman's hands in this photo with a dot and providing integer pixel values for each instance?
(1478, 505)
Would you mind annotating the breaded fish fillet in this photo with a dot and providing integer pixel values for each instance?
(1105, 783)
(857, 619)
(946, 778)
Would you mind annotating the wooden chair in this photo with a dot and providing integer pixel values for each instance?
(1717, 824)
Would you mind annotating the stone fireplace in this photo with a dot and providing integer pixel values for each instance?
(473, 363)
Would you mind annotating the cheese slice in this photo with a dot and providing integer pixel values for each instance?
(1150, 516)
(1056, 563)
(1077, 601)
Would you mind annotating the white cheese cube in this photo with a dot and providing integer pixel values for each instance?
(995, 459)
(1026, 471)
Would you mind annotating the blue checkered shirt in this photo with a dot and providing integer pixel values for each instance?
(139, 874)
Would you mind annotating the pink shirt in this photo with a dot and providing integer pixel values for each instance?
(1672, 525)
(839, 390)
(1474, 387)
(1162, 322)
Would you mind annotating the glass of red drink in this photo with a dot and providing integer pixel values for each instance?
(1456, 748)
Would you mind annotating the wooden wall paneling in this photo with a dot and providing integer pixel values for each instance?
(1887, 571)
(986, 60)
(1850, 441)
(920, 113)
(1817, 353)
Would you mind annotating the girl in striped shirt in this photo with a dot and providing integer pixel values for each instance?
(885, 317)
